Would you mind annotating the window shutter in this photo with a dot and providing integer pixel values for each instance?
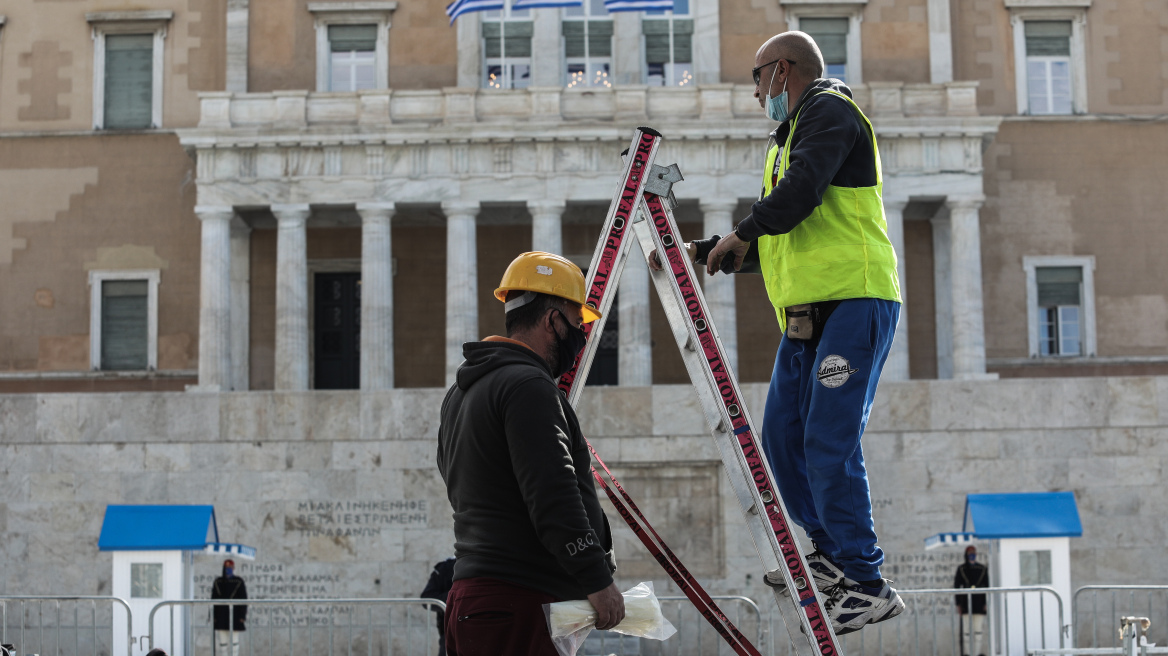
(1058, 285)
(516, 34)
(682, 41)
(123, 324)
(657, 41)
(573, 32)
(831, 35)
(600, 38)
(347, 38)
(129, 80)
(1048, 38)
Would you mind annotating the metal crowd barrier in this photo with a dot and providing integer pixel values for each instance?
(1098, 609)
(24, 624)
(320, 627)
(1018, 620)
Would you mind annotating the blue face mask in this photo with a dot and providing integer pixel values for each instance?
(776, 108)
(228, 572)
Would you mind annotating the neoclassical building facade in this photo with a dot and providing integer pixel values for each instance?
(292, 195)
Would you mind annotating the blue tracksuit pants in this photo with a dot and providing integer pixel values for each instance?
(820, 396)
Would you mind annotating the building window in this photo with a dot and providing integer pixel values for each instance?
(352, 57)
(1049, 58)
(1034, 567)
(1060, 293)
(129, 76)
(835, 26)
(124, 320)
(507, 48)
(669, 46)
(352, 44)
(587, 46)
(1048, 66)
(128, 68)
(146, 580)
(831, 35)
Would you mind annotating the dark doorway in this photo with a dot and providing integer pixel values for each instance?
(337, 328)
(605, 364)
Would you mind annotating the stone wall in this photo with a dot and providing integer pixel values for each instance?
(339, 490)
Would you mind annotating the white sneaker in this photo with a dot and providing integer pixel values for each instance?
(850, 605)
(825, 571)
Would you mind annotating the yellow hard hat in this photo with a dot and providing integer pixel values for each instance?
(547, 273)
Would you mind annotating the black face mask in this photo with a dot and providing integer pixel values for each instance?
(568, 347)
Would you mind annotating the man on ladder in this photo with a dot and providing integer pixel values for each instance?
(819, 238)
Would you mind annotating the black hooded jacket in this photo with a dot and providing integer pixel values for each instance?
(517, 472)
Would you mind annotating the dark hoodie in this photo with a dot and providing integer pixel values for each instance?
(518, 476)
(831, 145)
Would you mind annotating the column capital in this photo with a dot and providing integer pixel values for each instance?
(460, 207)
(895, 203)
(211, 212)
(718, 205)
(291, 211)
(376, 211)
(965, 203)
(546, 206)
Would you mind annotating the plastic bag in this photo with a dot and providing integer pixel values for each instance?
(570, 622)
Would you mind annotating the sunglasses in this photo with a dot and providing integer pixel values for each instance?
(755, 72)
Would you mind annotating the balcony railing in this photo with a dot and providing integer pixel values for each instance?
(291, 110)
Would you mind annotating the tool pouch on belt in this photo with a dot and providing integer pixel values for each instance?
(806, 322)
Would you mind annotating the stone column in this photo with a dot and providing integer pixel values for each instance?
(897, 366)
(547, 225)
(240, 304)
(291, 297)
(940, 42)
(942, 294)
(965, 273)
(634, 336)
(626, 48)
(215, 298)
(462, 281)
(718, 219)
(545, 71)
(376, 296)
(707, 49)
(237, 34)
(470, 50)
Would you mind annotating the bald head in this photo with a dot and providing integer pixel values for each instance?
(796, 47)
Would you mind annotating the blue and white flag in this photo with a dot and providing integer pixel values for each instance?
(460, 7)
(536, 4)
(637, 5)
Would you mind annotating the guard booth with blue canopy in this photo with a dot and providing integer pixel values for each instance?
(153, 556)
(1029, 543)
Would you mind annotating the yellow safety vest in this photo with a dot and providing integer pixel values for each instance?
(840, 251)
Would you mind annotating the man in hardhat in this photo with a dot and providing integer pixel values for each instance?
(528, 527)
(819, 238)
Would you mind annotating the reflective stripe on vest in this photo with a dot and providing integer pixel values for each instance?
(840, 251)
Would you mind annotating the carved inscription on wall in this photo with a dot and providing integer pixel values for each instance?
(924, 570)
(354, 518)
(684, 505)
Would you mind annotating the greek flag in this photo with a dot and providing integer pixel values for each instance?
(535, 4)
(460, 7)
(637, 5)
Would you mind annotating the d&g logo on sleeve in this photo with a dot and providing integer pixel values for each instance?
(834, 371)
